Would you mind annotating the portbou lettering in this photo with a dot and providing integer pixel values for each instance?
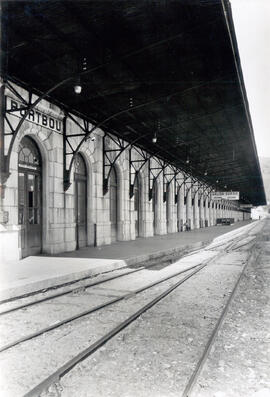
(34, 116)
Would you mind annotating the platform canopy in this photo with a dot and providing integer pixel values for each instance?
(169, 68)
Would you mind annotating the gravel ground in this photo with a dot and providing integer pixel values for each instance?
(156, 354)
(239, 364)
(152, 357)
(158, 263)
(33, 318)
(33, 360)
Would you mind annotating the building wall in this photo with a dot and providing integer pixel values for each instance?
(58, 205)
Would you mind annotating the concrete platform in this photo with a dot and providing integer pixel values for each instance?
(36, 273)
(129, 250)
(40, 272)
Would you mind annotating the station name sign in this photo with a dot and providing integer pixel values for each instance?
(225, 196)
(35, 116)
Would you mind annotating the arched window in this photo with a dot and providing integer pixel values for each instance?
(80, 167)
(29, 155)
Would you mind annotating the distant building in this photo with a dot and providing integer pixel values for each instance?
(260, 212)
(265, 168)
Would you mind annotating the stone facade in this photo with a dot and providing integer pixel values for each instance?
(58, 206)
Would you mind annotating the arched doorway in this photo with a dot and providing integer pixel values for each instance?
(113, 204)
(80, 180)
(137, 205)
(29, 197)
(154, 205)
(180, 209)
(168, 207)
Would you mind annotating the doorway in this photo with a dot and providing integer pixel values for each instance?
(168, 205)
(29, 197)
(137, 206)
(154, 205)
(80, 180)
(113, 204)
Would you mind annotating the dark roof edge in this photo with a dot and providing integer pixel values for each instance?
(226, 5)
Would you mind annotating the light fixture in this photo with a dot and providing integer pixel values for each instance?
(217, 181)
(78, 86)
(205, 173)
(84, 64)
(225, 187)
(187, 153)
(154, 139)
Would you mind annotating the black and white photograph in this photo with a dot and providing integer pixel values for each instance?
(135, 198)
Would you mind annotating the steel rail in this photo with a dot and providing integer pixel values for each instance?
(64, 292)
(192, 380)
(69, 365)
(234, 245)
(226, 245)
(44, 299)
(232, 241)
(44, 290)
(242, 245)
(92, 310)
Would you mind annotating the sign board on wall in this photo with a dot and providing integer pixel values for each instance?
(246, 205)
(225, 196)
(34, 115)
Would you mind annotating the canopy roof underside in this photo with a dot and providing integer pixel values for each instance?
(172, 65)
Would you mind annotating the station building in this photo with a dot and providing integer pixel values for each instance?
(68, 181)
(43, 217)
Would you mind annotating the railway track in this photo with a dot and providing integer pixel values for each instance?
(200, 364)
(59, 373)
(96, 308)
(148, 265)
(167, 259)
(70, 364)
